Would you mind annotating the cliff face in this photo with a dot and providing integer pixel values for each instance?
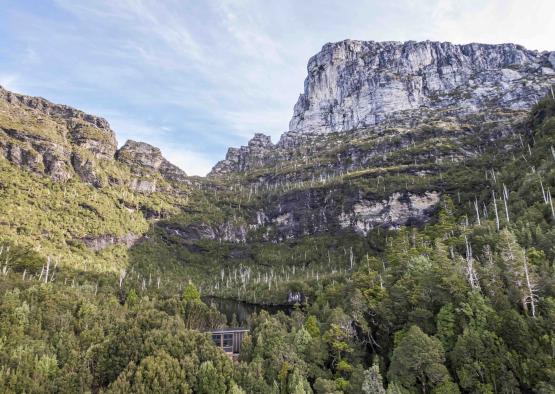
(144, 160)
(66, 189)
(356, 84)
(245, 158)
(46, 137)
(384, 110)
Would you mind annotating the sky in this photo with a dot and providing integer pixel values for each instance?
(194, 77)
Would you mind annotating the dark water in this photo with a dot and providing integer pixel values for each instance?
(242, 310)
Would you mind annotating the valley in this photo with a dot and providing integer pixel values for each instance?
(409, 206)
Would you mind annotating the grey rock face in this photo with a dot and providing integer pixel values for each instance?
(84, 130)
(104, 241)
(85, 169)
(398, 210)
(245, 158)
(146, 186)
(58, 140)
(356, 84)
(45, 137)
(334, 210)
(35, 153)
(226, 232)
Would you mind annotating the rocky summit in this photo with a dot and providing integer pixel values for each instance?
(356, 84)
(367, 87)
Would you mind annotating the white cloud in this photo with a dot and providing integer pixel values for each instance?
(10, 82)
(190, 161)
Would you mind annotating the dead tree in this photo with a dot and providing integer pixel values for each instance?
(530, 298)
(477, 211)
(122, 276)
(471, 274)
(495, 208)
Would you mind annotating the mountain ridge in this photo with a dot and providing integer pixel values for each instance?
(348, 85)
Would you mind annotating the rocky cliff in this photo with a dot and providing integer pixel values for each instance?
(356, 84)
(378, 112)
(361, 89)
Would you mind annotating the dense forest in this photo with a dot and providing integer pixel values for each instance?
(465, 304)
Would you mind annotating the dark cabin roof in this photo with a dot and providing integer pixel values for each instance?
(228, 330)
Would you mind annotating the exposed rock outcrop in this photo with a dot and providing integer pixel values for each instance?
(46, 137)
(315, 211)
(356, 84)
(398, 210)
(84, 167)
(254, 155)
(88, 131)
(62, 141)
(104, 241)
(140, 156)
(226, 232)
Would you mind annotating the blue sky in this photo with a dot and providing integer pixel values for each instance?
(196, 77)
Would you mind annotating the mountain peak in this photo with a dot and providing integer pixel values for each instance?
(140, 155)
(355, 84)
(245, 157)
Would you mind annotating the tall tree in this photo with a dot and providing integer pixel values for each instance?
(418, 361)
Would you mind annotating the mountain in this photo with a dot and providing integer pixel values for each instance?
(356, 84)
(69, 192)
(398, 113)
(380, 135)
(409, 207)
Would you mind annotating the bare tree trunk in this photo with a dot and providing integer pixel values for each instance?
(544, 196)
(551, 203)
(122, 276)
(477, 211)
(495, 207)
(531, 297)
(472, 276)
(506, 210)
(47, 270)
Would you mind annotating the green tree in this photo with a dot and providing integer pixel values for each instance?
(481, 361)
(373, 382)
(302, 340)
(312, 326)
(160, 373)
(445, 326)
(209, 380)
(190, 293)
(336, 339)
(132, 298)
(297, 383)
(418, 361)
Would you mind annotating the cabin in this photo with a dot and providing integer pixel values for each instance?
(296, 297)
(229, 339)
